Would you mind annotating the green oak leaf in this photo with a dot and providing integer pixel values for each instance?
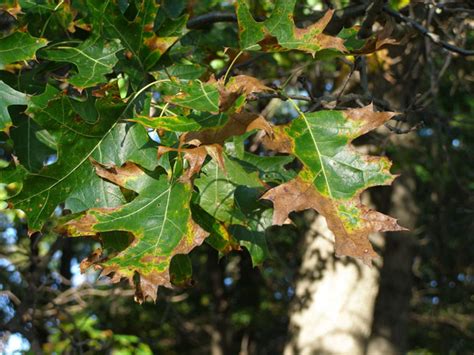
(217, 188)
(253, 240)
(230, 208)
(9, 97)
(197, 95)
(279, 33)
(77, 139)
(334, 175)
(160, 220)
(181, 72)
(19, 46)
(181, 271)
(143, 47)
(93, 58)
(31, 152)
(193, 122)
(219, 236)
(125, 143)
(271, 169)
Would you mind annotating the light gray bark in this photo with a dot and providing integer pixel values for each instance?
(335, 299)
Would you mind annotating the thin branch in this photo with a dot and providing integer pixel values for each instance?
(371, 14)
(320, 101)
(210, 18)
(425, 32)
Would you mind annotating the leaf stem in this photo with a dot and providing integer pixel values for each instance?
(231, 65)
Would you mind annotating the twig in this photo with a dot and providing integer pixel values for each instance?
(371, 14)
(403, 130)
(210, 18)
(432, 36)
(319, 101)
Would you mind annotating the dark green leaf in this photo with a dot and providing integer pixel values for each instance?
(94, 59)
(19, 46)
(9, 97)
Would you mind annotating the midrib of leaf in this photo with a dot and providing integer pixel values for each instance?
(165, 218)
(313, 138)
(205, 94)
(65, 125)
(42, 208)
(15, 49)
(97, 145)
(102, 184)
(122, 37)
(97, 61)
(141, 208)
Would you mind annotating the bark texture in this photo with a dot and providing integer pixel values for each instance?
(389, 329)
(333, 310)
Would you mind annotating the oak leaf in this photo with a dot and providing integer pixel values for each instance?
(279, 33)
(159, 219)
(334, 175)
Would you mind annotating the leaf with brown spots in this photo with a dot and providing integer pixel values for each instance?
(279, 33)
(334, 175)
(159, 219)
(215, 95)
(238, 124)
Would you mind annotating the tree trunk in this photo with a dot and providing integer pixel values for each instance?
(389, 329)
(333, 308)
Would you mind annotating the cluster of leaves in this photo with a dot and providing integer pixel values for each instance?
(126, 75)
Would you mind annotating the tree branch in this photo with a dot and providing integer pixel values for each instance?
(371, 14)
(425, 32)
(210, 18)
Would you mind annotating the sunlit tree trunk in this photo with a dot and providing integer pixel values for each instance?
(335, 299)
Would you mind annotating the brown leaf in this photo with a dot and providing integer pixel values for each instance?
(379, 41)
(238, 85)
(279, 141)
(298, 195)
(238, 124)
(325, 41)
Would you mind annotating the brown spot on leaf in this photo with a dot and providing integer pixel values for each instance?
(117, 175)
(279, 141)
(160, 44)
(368, 117)
(93, 259)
